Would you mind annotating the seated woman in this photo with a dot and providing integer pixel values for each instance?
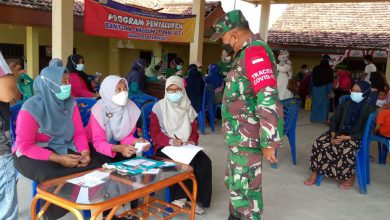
(50, 137)
(81, 85)
(195, 87)
(136, 78)
(172, 123)
(175, 68)
(113, 121)
(334, 153)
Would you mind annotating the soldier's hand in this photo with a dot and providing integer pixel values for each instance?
(269, 154)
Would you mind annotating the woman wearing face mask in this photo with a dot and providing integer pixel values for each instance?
(50, 137)
(136, 77)
(176, 68)
(172, 123)
(113, 121)
(154, 69)
(334, 153)
(285, 73)
(81, 85)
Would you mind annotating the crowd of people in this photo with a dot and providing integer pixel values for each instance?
(51, 140)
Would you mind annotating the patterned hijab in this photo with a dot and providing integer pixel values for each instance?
(117, 121)
(53, 116)
(177, 117)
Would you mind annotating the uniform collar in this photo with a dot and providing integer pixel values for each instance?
(253, 37)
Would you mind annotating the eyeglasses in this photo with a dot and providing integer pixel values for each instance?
(170, 91)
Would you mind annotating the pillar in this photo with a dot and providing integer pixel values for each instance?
(196, 47)
(388, 66)
(264, 19)
(113, 57)
(62, 29)
(157, 49)
(32, 46)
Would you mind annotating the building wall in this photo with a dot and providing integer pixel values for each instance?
(299, 59)
(96, 49)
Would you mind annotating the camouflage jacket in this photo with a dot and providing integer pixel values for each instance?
(251, 111)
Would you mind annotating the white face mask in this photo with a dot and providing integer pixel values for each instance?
(380, 103)
(80, 67)
(120, 98)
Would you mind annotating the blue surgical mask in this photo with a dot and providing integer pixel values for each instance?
(174, 97)
(65, 90)
(179, 67)
(357, 96)
(80, 67)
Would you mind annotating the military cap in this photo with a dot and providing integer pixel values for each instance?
(227, 22)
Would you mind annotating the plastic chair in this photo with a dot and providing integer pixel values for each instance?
(291, 109)
(145, 120)
(25, 86)
(141, 99)
(207, 106)
(362, 157)
(14, 114)
(85, 105)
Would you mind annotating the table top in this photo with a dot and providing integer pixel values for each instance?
(114, 186)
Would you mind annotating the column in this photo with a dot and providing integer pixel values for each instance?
(32, 46)
(62, 29)
(196, 47)
(388, 66)
(113, 57)
(264, 19)
(157, 49)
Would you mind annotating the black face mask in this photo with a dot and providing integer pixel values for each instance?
(157, 67)
(229, 48)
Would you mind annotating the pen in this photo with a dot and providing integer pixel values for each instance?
(178, 138)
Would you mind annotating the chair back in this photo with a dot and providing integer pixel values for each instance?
(85, 106)
(14, 115)
(145, 120)
(291, 109)
(369, 128)
(208, 98)
(141, 99)
(25, 86)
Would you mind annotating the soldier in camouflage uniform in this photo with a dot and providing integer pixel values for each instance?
(251, 111)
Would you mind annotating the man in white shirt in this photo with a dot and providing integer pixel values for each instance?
(370, 67)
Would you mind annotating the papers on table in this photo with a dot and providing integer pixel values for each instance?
(90, 180)
(183, 154)
(139, 162)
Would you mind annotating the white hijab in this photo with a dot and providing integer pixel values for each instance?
(177, 117)
(124, 118)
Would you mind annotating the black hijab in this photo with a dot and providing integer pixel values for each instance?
(354, 108)
(322, 74)
(137, 74)
(195, 87)
(73, 60)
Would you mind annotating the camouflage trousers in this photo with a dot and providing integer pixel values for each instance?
(243, 180)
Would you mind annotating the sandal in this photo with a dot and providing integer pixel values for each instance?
(179, 202)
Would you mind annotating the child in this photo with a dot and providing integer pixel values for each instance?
(383, 119)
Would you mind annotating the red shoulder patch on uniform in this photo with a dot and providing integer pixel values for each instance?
(259, 69)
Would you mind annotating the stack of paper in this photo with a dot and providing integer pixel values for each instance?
(183, 154)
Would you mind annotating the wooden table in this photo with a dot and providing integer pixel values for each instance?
(116, 191)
